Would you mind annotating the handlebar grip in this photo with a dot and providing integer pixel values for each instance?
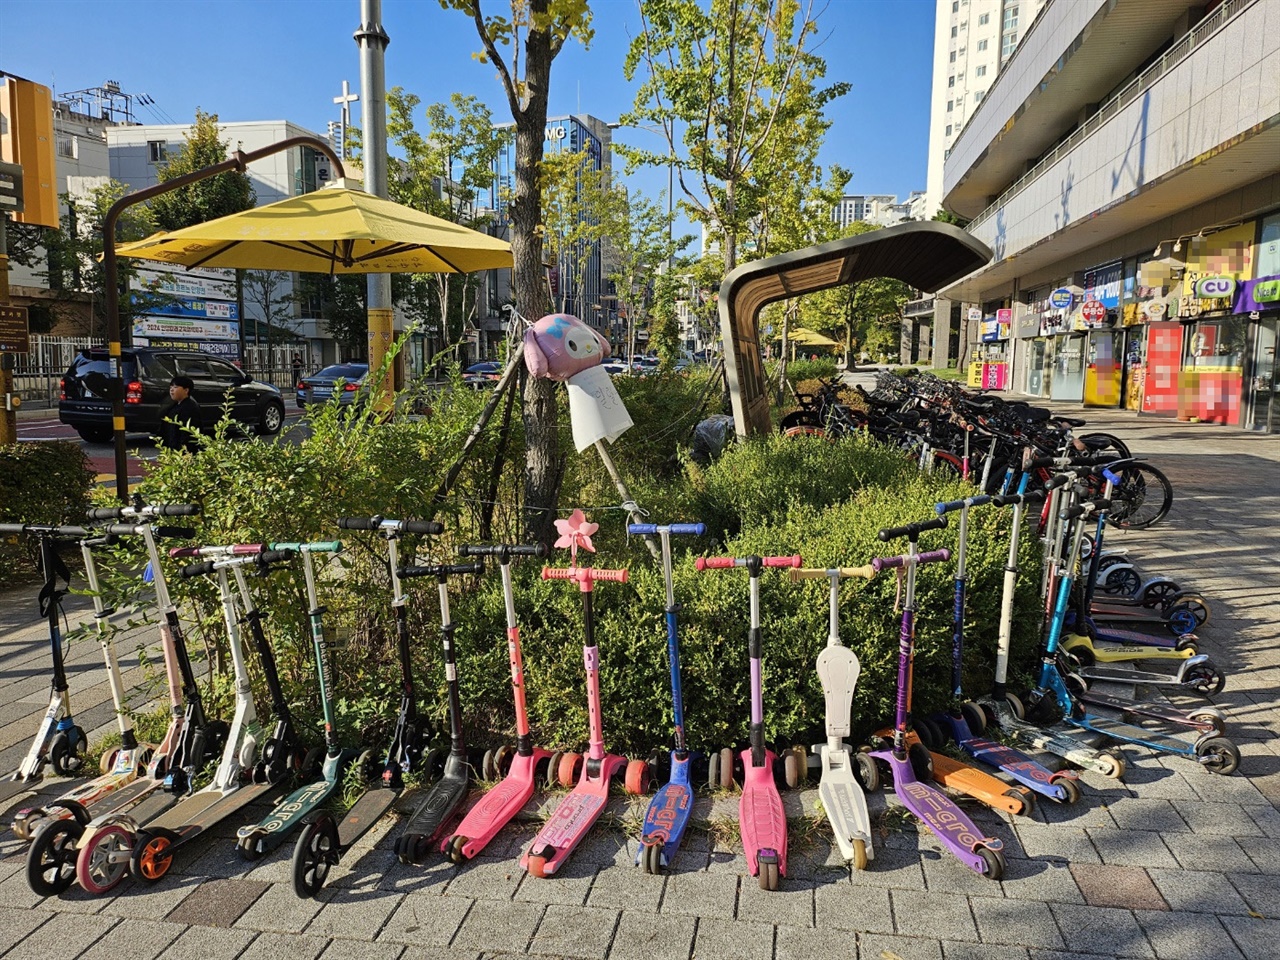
(714, 563)
(1059, 480)
(359, 523)
(106, 513)
(197, 569)
(501, 549)
(315, 546)
(912, 530)
(175, 533)
(1110, 475)
(57, 531)
(610, 576)
(689, 529)
(174, 509)
(275, 555)
(580, 573)
(441, 569)
(1079, 510)
(1038, 463)
(866, 571)
(423, 526)
(952, 505)
(792, 561)
(1009, 499)
(121, 529)
(932, 556)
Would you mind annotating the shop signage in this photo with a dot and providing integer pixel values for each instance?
(1155, 310)
(149, 327)
(1060, 299)
(990, 330)
(1254, 296)
(1212, 288)
(1093, 312)
(1267, 291)
(975, 314)
(227, 349)
(1103, 284)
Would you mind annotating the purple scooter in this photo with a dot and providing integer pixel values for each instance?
(936, 811)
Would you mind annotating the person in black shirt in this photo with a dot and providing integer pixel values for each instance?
(181, 413)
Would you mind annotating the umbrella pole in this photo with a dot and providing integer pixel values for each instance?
(630, 505)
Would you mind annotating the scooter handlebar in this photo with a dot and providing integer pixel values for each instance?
(717, 563)
(393, 526)
(932, 556)
(1059, 480)
(684, 529)
(1110, 475)
(57, 531)
(440, 569)
(229, 550)
(1009, 499)
(867, 571)
(140, 513)
(950, 506)
(792, 561)
(912, 530)
(1039, 463)
(315, 546)
(197, 569)
(501, 550)
(584, 574)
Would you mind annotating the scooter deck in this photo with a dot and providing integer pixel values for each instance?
(668, 814)
(11, 788)
(760, 814)
(126, 796)
(959, 776)
(1058, 742)
(440, 803)
(1133, 637)
(190, 812)
(845, 805)
(1105, 652)
(1132, 733)
(153, 805)
(77, 803)
(364, 813)
(573, 818)
(1019, 766)
(1152, 711)
(495, 809)
(272, 830)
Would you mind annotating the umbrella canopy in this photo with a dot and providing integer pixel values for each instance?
(334, 230)
(810, 338)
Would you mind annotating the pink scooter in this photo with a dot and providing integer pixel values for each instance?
(496, 808)
(761, 818)
(579, 810)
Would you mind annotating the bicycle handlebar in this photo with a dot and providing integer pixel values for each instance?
(912, 530)
(932, 556)
(686, 529)
(390, 526)
(866, 571)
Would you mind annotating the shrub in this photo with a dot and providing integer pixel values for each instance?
(40, 483)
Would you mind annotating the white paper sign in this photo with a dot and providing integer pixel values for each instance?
(595, 409)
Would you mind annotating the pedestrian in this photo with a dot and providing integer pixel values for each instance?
(297, 369)
(181, 417)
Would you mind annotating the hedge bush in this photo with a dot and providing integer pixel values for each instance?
(821, 500)
(40, 483)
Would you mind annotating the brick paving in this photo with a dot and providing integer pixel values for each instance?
(1174, 864)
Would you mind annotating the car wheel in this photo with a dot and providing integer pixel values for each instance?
(95, 434)
(272, 419)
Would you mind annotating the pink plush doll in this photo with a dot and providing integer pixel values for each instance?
(558, 346)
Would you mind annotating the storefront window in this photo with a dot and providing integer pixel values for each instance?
(1213, 371)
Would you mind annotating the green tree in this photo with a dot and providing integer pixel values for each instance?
(340, 302)
(535, 32)
(205, 199)
(267, 291)
(728, 81)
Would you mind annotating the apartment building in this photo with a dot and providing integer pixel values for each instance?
(1124, 168)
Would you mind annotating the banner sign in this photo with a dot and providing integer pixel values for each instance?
(204, 284)
(226, 349)
(1255, 296)
(196, 309)
(149, 326)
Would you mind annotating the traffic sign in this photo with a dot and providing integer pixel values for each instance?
(1093, 311)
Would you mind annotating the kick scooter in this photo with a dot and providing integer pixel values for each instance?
(59, 742)
(261, 838)
(158, 841)
(324, 840)
(120, 766)
(934, 809)
(761, 818)
(496, 808)
(579, 810)
(965, 722)
(1053, 694)
(446, 795)
(668, 814)
(843, 801)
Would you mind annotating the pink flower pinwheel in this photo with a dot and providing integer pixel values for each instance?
(576, 532)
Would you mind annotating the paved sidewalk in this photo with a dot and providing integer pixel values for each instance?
(1174, 864)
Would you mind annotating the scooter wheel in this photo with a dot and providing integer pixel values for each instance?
(1027, 799)
(859, 854)
(790, 770)
(973, 716)
(537, 866)
(768, 876)
(103, 861)
(1158, 593)
(553, 770)
(1117, 762)
(502, 760)
(1082, 655)
(1123, 582)
(1204, 679)
(921, 761)
(651, 858)
(315, 852)
(488, 769)
(637, 779)
(1218, 754)
(1070, 789)
(570, 768)
(1210, 717)
(249, 848)
(107, 762)
(1188, 641)
(433, 764)
(726, 768)
(312, 764)
(151, 857)
(713, 770)
(1076, 685)
(802, 763)
(867, 771)
(51, 859)
(66, 752)
(455, 854)
(1015, 704)
(992, 863)
(215, 737)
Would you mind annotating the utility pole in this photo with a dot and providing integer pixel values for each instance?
(372, 41)
(9, 414)
(346, 100)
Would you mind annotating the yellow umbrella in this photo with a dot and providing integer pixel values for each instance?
(334, 230)
(810, 338)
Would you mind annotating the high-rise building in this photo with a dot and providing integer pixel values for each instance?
(882, 209)
(972, 42)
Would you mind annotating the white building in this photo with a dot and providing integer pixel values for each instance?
(972, 41)
(882, 209)
(1124, 168)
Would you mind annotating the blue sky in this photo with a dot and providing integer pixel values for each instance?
(286, 59)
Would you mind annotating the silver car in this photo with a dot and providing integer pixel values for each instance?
(344, 378)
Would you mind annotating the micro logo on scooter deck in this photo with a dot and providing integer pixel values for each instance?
(575, 813)
(290, 810)
(938, 813)
(660, 821)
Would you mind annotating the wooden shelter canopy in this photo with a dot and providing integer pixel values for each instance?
(926, 255)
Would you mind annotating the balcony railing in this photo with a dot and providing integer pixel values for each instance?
(916, 308)
(1198, 34)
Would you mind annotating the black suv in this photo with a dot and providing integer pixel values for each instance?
(85, 401)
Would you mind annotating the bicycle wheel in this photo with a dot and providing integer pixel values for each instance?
(1141, 498)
